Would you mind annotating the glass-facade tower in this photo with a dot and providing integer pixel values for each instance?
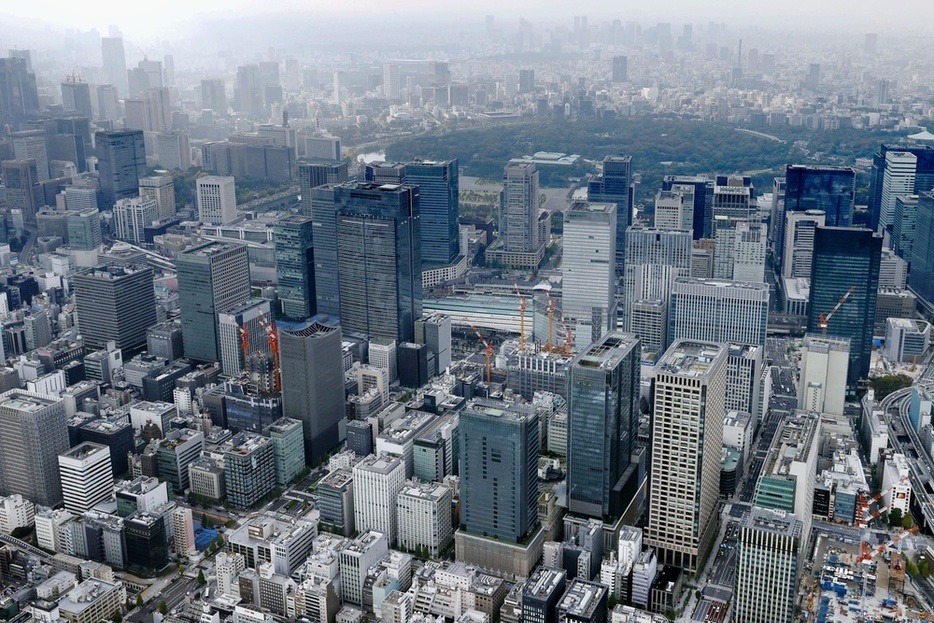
(846, 264)
(295, 267)
(831, 189)
(439, 190)
(613, 186)
(603, 420)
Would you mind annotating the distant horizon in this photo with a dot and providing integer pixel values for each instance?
(174, 20)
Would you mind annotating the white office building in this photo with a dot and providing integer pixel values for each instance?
(424, 518)
(654, 258)
(16, 512)
(898, 179)
(132, 216)
(356, 559)
(377, 480)
(822, 381)
(674, 210)
(183, 531)
(719, 311)
(217, 199)
(798, 245)
(896, 485)
(588, 271)
(87, 476)
(161, 189)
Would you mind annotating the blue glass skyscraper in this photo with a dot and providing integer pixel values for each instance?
(295, 267)
(814, 187)
(439, 191)
(613, 186)
(845, 258)
(924, 176)
(921, 277)
(603, 421)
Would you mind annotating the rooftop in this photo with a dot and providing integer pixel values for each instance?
(777, 521)
(792, 444)
(607, 353)
(85, 595)
(544, 580)
(582, 598)
(382, 464)
(23, 401)
(690, 358)
(85, 450)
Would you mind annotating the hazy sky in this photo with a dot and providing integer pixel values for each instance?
(151, 18)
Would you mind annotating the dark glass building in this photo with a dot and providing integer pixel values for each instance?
(19, 96)
(613, 186)
(379, 260)
(314, 174)
(603, 423)
(295, 267)
(121, 162)
(147, 544)
(845, 258)
(212, 278)
(921, 277)
(439, 200)
(116, 304)
(814, 187)
(312, 384)
(499, 446)
(703, 201)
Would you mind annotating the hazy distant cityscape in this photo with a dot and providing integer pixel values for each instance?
(460, 316)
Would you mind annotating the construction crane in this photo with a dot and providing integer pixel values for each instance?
(521, 316)
(863, 507)
(551, 324)
(244, 345)
(273, 336)
(824, 319)
(568, 336)
(489, 354)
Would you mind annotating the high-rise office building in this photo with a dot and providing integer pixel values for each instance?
(686, 440)
(295, 267)
(613, 185)
(898, 178)
(132, 217)
(674, 209)
(212, 277)
(314, 174)
(817, 187)
(733, 197)
(121, 162)
(33, 432)
(115, 304)
(499, 444)
(719, 311)
(161, 189)
(214, 95)
(703, 200)
(377, 480)
(798, 247)
(921, 277)
(903, 225)
(107, 102)
(19, 97)
(603, 422)
(620, 69)
(822, 381)
(439, 203)
(86, 475)
(173, 150)
(247, 317)
(897, 169)
(323, 148)
(249, 469)
(32, 145)
(740, 251)
(115, 63)
(654, 258)
(23, 192)
(767, 573)
(846, 263)
(378, 259)
(217, 199)
(434, 330)
(76, 97)
(588, 272)
(84, 228)
(312, 384)
(518, 220)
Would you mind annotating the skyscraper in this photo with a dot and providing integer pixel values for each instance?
(439, 201)
(588, 272)
(767, 572)
(131, 218)
(897, 179)
(121, 163)
(703, 200)
(314, 174)
(740, 251)
(212, 277)
(76, 97)
(686, 438)
(33, 432)
(115, 304)
(798, 246)
(817, 187)
(377, 480)
(903, 225)
(217, 199)
(822, 380)
(923, 176)
(312, 384)
(733, 197)
(31, 145)
(654, 257)
(921, 277)
(247, 316)
(84, 228)
(620, 69)
(214, 95)
(161, 189)
(115, 63)
(603, 422)
(295, 267)
(499, 445)
(22, 187)
(378, 258)
(712, 310)
(846, 260)
(19, 97)
(613, 185)
(518, 221)
(86, 476)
